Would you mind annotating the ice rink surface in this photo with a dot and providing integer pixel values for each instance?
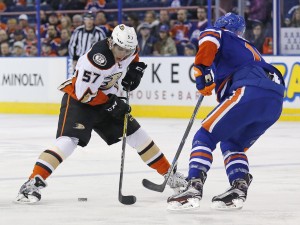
(93, 172)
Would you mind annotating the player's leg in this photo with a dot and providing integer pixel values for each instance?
(73, 129)
(200, 162)
(225, 121)
(260, 114)
(145, 146)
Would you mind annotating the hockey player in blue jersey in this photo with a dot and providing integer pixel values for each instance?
(250, 94)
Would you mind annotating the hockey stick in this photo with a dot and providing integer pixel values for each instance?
(161, 187)
(125, 199)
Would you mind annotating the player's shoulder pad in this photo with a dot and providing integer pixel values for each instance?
(101, 56)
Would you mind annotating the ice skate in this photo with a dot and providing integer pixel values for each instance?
(177, 182)
(190, 197)
(30, 191)
(235, 197)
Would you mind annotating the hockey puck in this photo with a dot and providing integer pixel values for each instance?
(82, 199)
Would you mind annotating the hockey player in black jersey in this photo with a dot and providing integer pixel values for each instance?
(91, 103)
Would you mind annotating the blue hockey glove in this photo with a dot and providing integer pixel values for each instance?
(204, 79)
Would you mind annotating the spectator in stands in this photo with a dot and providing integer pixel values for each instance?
(32, 51)
(5, 50)
(30, 38)
(52, 38)
(18, 49)
(199, 25)
(101, 22)
(65, 23)
(3, 36)
(43, 17)
(95, 5)
(181, 28)
(295, 21)
(53, 19)
(18, 36)
(19, 2)
(84, 37)
(150, 18)
(288, 17)
(257, 37)
(164, 19)
(2, 6)
(146, 40)
(11, 27)
(77, 21)
(258, 10)
(23, 23)
(189, 49)
(165, 45)
(47, 50)
(65, 36)
(133, 21)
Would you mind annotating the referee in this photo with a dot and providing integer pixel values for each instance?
(84, 37)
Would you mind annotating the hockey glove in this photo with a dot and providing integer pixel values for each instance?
(204, 79)
(133, 76)
(116, 107)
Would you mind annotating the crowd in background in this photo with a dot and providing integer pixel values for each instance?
(170, 31)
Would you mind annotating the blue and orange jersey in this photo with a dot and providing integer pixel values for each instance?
(227, 53)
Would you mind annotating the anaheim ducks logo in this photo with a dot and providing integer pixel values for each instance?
(122, 27)
(99, 59)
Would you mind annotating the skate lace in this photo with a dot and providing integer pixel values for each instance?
(28, 187)
(241, 185)
(177, 180)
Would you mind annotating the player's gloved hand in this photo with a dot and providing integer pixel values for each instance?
(133, 76)
(204, 79)
(116, 107)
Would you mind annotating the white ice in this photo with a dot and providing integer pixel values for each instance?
(93, 172)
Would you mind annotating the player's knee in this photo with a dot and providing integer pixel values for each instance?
(203, 137)
(65, 146)
(139, 139)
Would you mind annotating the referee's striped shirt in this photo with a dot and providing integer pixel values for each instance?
(82, 40)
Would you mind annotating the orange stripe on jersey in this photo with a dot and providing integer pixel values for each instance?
(234, 157)
(161, 166)
(69, 87)
(206, 53)
(202, 154)
(217, 35)
(65, 116)
(215, 115)
(255, 54)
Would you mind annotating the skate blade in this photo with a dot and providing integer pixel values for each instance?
(22, 200)
(237, 205)
(192, 204)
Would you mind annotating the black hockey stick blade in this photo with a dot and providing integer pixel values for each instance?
(161, 187)
(154, 187)
(127, 199)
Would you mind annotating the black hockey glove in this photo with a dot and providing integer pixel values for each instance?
(116, 107)
(133, 76)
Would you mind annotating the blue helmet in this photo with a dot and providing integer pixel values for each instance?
(232, 22)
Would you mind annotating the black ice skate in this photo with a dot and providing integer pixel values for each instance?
(30, 191)
(190, 197)
(235, 197)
